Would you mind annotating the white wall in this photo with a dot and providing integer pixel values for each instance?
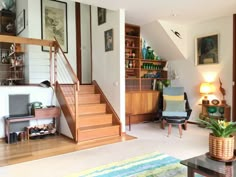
(180, 42)
(36, 93)
(160, 41)
(38, 60)
(191, 75)
(108, 67)
(20, 6)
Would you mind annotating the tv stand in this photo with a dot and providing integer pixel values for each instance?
(44, 113)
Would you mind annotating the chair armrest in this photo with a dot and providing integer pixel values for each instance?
(189, 111)
(187, 106)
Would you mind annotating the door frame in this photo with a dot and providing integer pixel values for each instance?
(234, 70)
(78, 42)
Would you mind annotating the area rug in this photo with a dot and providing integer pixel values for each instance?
(153, 164)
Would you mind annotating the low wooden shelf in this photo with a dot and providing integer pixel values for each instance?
(225, 115)
(44, 113)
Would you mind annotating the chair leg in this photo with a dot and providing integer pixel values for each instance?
(180, 130)
(169, 129)
(163, 123)
(184, 126)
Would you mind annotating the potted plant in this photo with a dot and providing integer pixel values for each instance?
(221, 140)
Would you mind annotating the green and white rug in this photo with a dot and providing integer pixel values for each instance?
(154, 164)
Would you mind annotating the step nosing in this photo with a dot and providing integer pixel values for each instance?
(101, 126)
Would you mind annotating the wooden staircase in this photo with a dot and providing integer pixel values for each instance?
(94, 119)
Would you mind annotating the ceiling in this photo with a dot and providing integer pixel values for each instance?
(141, 12)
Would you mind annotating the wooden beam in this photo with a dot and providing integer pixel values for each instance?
(22, 40)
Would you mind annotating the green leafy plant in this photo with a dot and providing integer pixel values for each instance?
(220, 128)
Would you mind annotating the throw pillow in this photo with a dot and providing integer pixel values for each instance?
(175, 106)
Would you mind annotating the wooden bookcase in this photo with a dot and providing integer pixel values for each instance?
(141, 99)
(139, 72)
(12, 65)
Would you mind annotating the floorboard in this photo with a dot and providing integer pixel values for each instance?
(47, 147)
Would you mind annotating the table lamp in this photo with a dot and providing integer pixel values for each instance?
(206, 88)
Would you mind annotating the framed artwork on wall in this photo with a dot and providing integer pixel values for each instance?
(207, 49)
(54, 23)
(108, 37)
(20, 22)
(101, 15)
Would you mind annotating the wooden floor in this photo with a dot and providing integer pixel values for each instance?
(48, 146)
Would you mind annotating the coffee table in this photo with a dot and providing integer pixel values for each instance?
(203, 165)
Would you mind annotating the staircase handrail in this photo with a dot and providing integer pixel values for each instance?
(67, 64)
(58, 50)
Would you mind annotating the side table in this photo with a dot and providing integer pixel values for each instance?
(208, 167)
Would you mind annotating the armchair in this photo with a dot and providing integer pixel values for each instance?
(174, 108)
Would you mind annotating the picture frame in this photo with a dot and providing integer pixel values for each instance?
(20, 22)
(108, 37)
(207, 49)
(101, 15)
(54, 23)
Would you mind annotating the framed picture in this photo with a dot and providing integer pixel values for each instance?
(54, 23)
(20, 22)
(207, 50)
(101, 15)
(108, 36)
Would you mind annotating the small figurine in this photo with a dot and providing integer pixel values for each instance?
(223, 92)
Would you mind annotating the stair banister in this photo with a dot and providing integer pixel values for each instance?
(59, 51)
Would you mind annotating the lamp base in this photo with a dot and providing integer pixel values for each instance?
(223, 102)
(205, 102)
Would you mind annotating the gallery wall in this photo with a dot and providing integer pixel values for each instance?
(191, 75)
(108, 67)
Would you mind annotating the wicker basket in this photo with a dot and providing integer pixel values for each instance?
(221, 148)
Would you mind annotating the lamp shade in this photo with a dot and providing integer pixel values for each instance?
(206, 88)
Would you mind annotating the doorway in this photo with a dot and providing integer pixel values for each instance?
(83, 42)
(234, 67)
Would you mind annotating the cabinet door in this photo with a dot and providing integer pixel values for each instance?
(142, 102)
(149, 102)
(136, 106)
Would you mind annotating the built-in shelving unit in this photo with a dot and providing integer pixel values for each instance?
(12, 65)
(140, 72)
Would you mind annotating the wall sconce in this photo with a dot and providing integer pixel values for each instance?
(206, 88)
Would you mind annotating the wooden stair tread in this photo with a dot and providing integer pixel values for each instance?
(93, 120)
(86, 89)
(94, 115)
(87, 98)
(89, 95)
(97, 127)
(94, 104)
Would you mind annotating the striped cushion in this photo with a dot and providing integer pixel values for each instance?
(173, 98)
(176, 114)
(172, 93)
(175, 106)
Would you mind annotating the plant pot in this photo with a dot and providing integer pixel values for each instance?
(221, 148)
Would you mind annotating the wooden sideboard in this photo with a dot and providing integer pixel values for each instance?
(141, 104)
(44, 113)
